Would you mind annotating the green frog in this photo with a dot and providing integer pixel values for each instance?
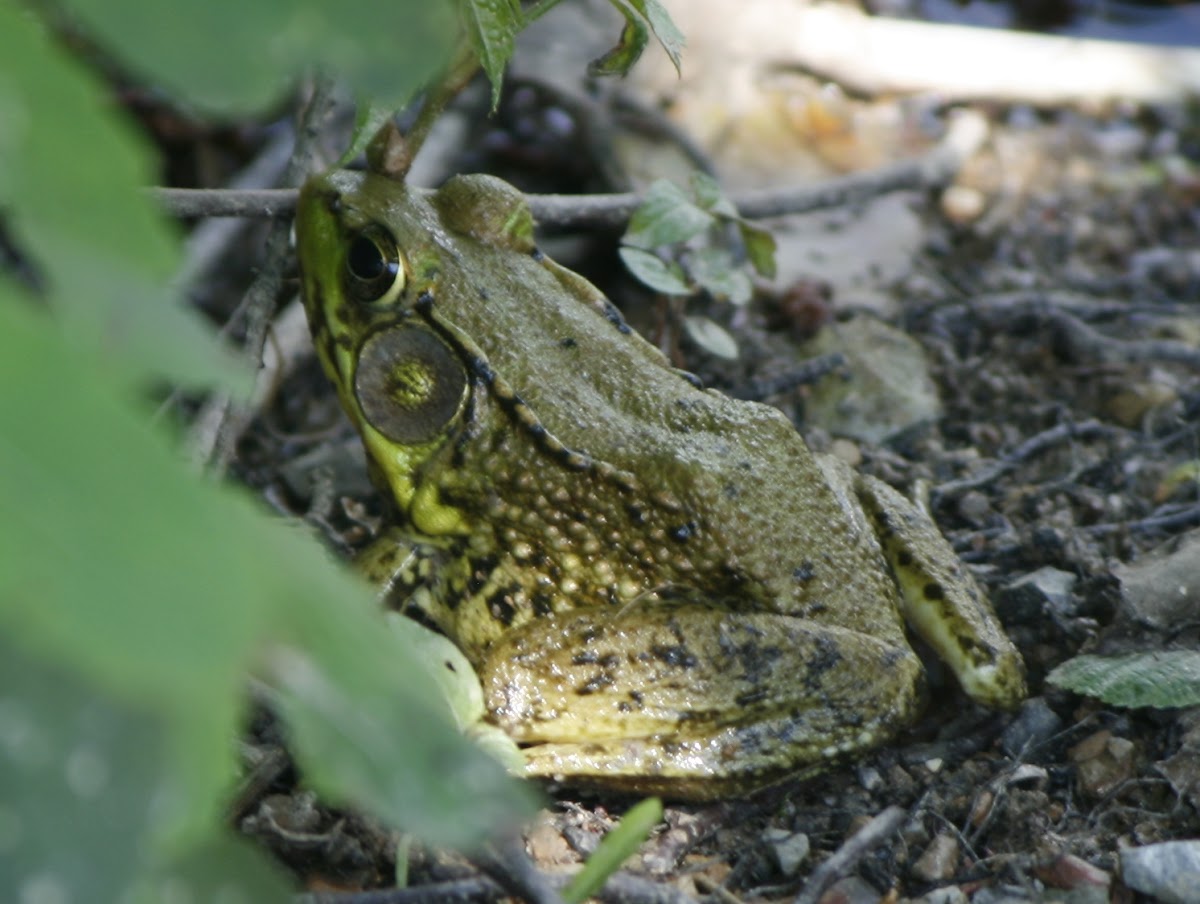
(662, 589)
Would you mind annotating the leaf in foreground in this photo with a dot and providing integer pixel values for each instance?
(163, 590)
(81, 779)
(1162, 678)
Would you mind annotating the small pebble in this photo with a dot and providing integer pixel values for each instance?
(939, 860)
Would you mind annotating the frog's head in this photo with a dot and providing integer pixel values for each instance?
(373, 254)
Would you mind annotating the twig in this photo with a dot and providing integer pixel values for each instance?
(1035, 445)
(216, 446)
(845, 858)
(964, 136)
(620, 888)
(506, 862)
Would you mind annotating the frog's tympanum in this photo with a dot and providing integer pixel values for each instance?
(662, 589)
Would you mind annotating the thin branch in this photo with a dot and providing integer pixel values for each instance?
(846, 858)
(964, 136)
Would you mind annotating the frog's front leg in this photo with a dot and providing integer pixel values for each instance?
(690, 700)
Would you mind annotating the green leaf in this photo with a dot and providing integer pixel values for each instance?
(71, 179)
(665, 217)
(714, 270)
(492, 27)
(614, 849)
(163, 590)
(711, 337)
(232, 57)
(760, 248)
(619, 59)
(369, 118)
(1160, 678)
(656, 273)
(664, 28)
(82, 777)
(709, 196)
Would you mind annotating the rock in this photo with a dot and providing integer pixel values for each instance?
(1103, 762)
(1163, 589)
(884, 389)
(851, 890)
(1047, 590)
(939, 861)
(787, 849)
(1068, 871)
(1035, 724)
(1167, 872)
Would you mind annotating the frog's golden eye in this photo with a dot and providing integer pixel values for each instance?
(374, 272)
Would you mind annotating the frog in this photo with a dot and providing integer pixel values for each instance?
(662, 589)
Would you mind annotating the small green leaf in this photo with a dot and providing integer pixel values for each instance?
(665, 217)
(492, 27)
(714, 270)
(760, 248)
(620, 58)
(655, 272)
(664, 28)
(1164, 679)
(711, 337)
(614, 849)
(709, 196)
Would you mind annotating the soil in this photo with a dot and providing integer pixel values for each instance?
(1068, 315)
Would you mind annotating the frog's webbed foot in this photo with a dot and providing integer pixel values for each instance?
(693, 701)
(940, 599)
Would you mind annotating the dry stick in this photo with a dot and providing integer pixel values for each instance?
(1035, 445)
(965, 135)
(219, 425)
(845, 858)
(620, 888)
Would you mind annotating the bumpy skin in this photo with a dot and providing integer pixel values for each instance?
(663, 589)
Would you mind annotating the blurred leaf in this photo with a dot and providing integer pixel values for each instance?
(369, 118)
(162, 590)
(714, 270)
(669, 36)
(492, 27)
(82, 778)
(232, 57)
(655, 272)
(666, 217)
(711, 337)
(619, 59)
(760, 248)
(1164, 679)
(71, 178)
(614, 849)
(709, 196)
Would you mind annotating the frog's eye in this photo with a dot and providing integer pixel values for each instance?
(373, 271)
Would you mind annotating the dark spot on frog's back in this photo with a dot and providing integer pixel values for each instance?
(569, 342)
(501, 607)
(804, 572)
(904, 558)
(676, 656)
(537, 254)
(934, 591)
(614, 317)
(684, 532)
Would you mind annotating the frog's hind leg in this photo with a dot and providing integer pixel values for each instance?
(693, 701)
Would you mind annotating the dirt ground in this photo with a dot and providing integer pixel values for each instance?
(1061, 329)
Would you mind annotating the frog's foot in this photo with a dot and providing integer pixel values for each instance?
(941, 601)
(691, 701)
